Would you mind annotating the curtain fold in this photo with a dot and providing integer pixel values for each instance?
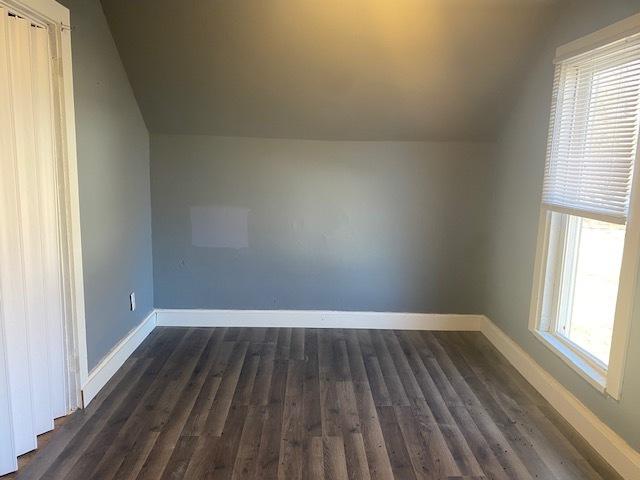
(32, 355)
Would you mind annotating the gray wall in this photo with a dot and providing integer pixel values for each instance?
(376, 226)
(113, 166)
(518, 187)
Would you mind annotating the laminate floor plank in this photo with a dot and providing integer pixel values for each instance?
(170, 435)
(458, 445)
(94, 453)
(246, 461)
(554, 449)
(518, 438)
(157, 420)
(372, 436)
(481, 448)
(290, 463)
(294, 403)
(311, 386)
(493, 433)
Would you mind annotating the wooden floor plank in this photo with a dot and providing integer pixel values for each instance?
(391, 377)
(314, 466)
(290, 463)
(93, 456)
(196, 422)
(289, 403)
(169, 436)
(420, 422)
(495, 437)
(154, 423)
(522, 407)
(396, 447)
(222, 458)
(262, 381)
(372, 437)
(458, 445)
(269, 453)
(518, 438)
(246, 461)
(222, 403)
(311, 386)
(179, 459)
(335, 463)
(329, 408)
(297, 344)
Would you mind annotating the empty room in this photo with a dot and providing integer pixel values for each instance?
(319, 239)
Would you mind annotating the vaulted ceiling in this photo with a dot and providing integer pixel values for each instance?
(327, 69)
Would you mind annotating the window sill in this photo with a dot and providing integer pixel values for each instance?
(594, 376)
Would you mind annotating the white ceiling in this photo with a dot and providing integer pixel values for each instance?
(327, 69)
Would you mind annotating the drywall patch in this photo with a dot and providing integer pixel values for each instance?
(219, 227)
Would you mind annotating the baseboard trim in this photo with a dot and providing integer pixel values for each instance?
(317, 319)
(613, 448)
(109, 365)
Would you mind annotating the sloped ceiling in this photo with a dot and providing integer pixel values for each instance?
(327, 69)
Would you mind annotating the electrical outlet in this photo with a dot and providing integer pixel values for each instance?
(132, 301)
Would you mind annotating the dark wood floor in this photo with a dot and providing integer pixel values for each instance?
(292, 403)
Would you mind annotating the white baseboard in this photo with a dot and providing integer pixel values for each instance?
(109, 365)
(618, 453)
(317, 319)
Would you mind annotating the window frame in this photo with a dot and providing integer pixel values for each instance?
(605, 378)
(568, 244)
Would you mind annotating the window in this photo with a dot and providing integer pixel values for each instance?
(587, 255)
(589, 286)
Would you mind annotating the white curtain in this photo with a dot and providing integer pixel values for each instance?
(32, 361)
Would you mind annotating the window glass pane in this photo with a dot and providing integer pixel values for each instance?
(594, 256)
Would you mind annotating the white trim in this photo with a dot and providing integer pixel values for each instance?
(71, 205)
(544, 328)
(582, 214)
(317, 319)
(110, 364)
(568, 355)
(613, 448)
(627, 288)
(47, 11)
(600, 38)
(539, 269)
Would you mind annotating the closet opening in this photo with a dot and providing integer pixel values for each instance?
(42, 341)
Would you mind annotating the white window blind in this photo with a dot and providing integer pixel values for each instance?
(593, 132)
